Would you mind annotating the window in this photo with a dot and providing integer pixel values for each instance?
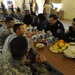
(57, 5)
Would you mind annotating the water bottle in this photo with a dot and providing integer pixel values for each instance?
(30, 28)
(47, 35)
(38, 38)
(35, 29)
(43, 34)
(56, 39)
(48, 42)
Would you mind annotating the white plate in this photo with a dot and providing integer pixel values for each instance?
(54, 50)
(40, 45)
(69, 54)
(71, 46)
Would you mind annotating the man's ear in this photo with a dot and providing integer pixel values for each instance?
(17, 30)
(26, 53)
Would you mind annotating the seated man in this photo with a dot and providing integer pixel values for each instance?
(15, 65)
(18, 31)
(41, 22)
(27, 19)
(5, 14)
(13, 14)
(55, 26)
(20, 16)
(5, 30)
(69, 36)
(34, 17)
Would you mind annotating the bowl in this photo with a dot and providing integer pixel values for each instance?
(71, 46)
(40, 45)
(69, 53)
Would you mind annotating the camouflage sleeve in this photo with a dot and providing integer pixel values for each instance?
(0, 64)
(41, 68)
(9, 70)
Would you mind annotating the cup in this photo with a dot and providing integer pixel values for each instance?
(49, 42)
(34, 37)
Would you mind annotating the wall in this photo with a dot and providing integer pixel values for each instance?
(0, 2)
(18, 3)
(69, 9)
(67, 5)
(40, 5)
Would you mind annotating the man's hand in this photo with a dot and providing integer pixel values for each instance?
(28, 61)
(40, 59)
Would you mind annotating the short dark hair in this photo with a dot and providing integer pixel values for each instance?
(18, 9)
(18, 47)
(16, 26)
(73, 19)
(41, 17)
(8, 19)
(27, 19)
(53, 16)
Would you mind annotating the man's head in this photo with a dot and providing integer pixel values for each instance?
(73, 23)
(18, 10)
(18, 47)
(53, 19)
(9, 22)
(19, 29)
(23, 0)
(41, 17)
(27, 19)
(1, 2)
(33, 14)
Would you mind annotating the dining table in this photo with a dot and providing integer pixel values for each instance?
(65, 65)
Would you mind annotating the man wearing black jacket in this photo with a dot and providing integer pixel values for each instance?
(55, 26)
(69, 36)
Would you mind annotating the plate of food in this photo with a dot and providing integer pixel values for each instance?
(40, 45)
(71, 46)
(55, 49)
(59, 46)
(69, 53)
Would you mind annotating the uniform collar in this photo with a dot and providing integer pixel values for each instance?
(17, 63)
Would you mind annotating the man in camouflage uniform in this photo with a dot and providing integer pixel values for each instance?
(16, 64)
(4, 30)
(18, 31)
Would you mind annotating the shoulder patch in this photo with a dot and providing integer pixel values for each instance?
(58, 31)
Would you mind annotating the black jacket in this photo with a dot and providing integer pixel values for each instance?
(70, 35)
(57, 29)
